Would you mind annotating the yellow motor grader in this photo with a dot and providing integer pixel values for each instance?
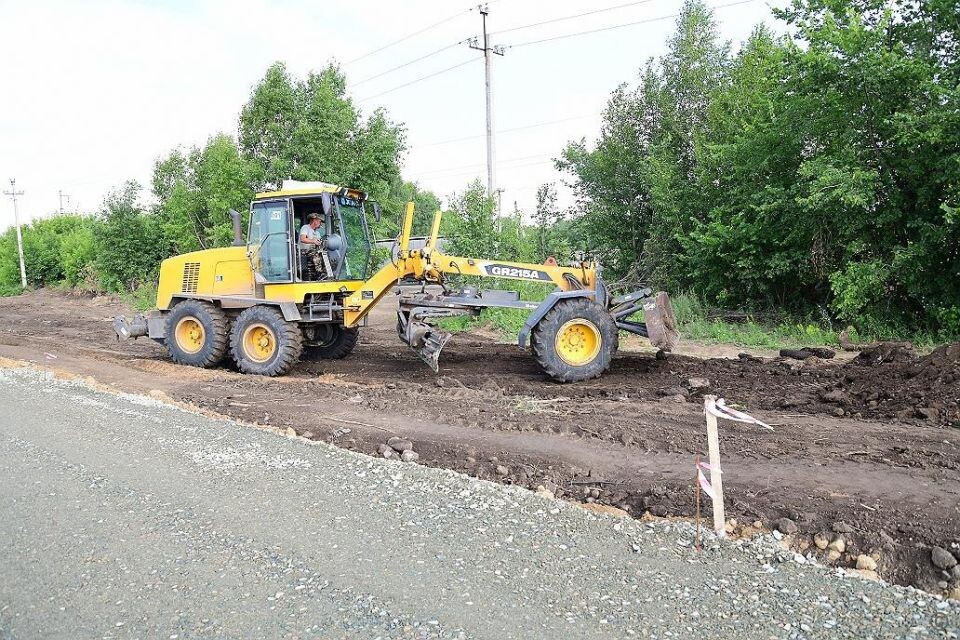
(270, 300)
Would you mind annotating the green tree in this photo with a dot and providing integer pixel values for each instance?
(129, 241)
(549, 238)
(311, 130)
(196, 191)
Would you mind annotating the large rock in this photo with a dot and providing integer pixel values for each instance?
(866, 562)
(942, 559)
(400, 444)
(696, 384)
(838, 544)
(787, 526)
(822, 540)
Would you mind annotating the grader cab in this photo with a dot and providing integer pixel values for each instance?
(271, 299)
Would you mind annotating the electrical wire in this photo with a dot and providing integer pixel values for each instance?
(571, 17)
(481, 164)
(520, 128)
(411, 35)
(616, 26)
(410, 62)
(420, 79)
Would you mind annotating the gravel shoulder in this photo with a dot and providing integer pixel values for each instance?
(123, 517)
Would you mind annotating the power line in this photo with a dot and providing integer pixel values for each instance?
(407, 64)
(617, 26)
(420, 79)
(481, 164)
(578, 15)
(407, 37)
(520, 128)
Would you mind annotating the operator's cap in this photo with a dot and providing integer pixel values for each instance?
(314, 216)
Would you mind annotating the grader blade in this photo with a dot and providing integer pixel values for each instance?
(660, 321)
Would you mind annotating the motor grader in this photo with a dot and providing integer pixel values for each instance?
(258, 302)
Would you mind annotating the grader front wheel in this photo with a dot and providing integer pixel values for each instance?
(575, 341)
(263, 343)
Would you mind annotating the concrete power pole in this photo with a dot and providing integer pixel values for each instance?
(62, 195)
(13, 193)
(488, 52)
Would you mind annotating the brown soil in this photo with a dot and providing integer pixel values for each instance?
(872, 446)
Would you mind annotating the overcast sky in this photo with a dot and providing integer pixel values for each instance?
(96, 90)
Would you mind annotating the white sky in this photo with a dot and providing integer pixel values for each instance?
(94, 91)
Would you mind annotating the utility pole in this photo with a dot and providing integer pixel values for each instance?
(62, 195)
(488, 52)
(13, 193)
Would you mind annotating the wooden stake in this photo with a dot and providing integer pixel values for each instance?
(696, 497)
(716, 476)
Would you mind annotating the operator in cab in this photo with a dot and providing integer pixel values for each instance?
(314, 264)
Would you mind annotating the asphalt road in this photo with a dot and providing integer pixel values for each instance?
(121, 517)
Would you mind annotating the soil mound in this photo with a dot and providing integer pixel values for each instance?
(898, 384)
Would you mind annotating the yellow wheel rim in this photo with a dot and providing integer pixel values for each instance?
(578, 342)
(259, 342)
(190, 334)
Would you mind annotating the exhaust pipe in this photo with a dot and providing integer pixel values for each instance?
(238, 240)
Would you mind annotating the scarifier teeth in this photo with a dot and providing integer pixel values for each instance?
(426, 341)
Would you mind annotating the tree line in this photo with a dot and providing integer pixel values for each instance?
(816, 171)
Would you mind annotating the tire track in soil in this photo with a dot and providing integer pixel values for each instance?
(895, 481)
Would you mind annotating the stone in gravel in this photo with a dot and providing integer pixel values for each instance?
(502, 470)
(833, 555)
(842, 527)
(409, 456)
(543, 491)
(787, 526)
(838, 412)
(821, 540)
(400, 444)
(942, 559)
(290, 432)
(838, 544)
(955, 572)
(605, 509)
(471, 460)
(954, 593)
(695, 384)
(307, 434)
(595, 492)
(678, 398)
(866, 562)
(869, 574)
(928, 413)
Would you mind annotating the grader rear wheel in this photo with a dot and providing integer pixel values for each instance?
(197, 333)
(263, 343)
(575, 341)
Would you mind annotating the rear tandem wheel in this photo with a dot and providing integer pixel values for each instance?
(264, 343)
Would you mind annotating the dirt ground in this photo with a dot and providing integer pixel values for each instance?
(859, 449)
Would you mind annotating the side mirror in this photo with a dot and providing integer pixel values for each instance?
(377, 211)
(326, 202)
